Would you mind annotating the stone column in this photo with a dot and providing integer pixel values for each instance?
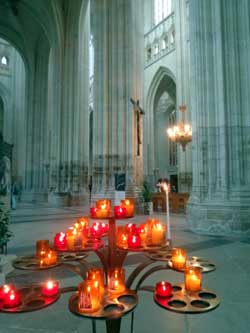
(69, 176)
(220, 85)
(37, 122)
(117, 29)
(183, 89)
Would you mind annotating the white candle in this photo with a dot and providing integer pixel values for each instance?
(166, 188)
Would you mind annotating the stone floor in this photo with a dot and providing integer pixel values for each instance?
(230, 280)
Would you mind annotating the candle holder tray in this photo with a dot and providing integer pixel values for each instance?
(31, 300)
(160, 255)
(205, 265)
(32, 263)
(92, 244)
(188, 302)
(113, 306)
(147, 248)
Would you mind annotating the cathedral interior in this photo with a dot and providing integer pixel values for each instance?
(88, 90)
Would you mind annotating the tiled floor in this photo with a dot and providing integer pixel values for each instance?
(230, 280)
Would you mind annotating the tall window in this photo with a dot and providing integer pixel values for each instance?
(91, 71)
(91, 57)
(172, 145)
(162, 8)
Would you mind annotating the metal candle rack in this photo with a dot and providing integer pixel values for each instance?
(114, 308)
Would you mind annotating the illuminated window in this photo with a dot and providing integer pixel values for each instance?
(91, 57)
(172, 145)
(4, 61)
(162, 8)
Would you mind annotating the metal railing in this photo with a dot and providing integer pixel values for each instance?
(160, 40)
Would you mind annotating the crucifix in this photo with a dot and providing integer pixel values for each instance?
(139, 111)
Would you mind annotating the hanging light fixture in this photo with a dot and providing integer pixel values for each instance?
(180, 133)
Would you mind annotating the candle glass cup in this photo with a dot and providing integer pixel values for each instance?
(129, 205)
(179, 259)
(42, 246)
(96, 274)
(193, 278)
(163, 289)
(89, 296)
(116, 280)
(50, 288)
(158, 233)
(134, 240)
(122, 237)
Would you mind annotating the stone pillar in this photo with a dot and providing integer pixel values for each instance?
(183, 89)
(37, 122)
(220, 85)
(117, 29)
(69, 174)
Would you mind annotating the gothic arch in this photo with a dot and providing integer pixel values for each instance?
(162, 72)
(163, 81)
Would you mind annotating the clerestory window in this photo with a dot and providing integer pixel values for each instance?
(162, 8)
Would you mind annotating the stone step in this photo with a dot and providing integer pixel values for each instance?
(28, 218)
(46, 214)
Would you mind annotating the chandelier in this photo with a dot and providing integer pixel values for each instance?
(180, 133)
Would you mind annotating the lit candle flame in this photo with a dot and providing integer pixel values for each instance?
(49, 284)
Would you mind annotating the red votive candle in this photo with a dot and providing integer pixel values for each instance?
(163, 289)
(96, 230)
(131, 227)
(105, 227)
(4, 290)
(60, 241)
(50, 288)
(93, 211)
(134, 241)
(12, 299)
(120, 212)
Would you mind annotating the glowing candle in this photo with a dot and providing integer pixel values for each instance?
(193, 278)
(116, 280)
(122, 237)
(158, 233)
(96, 230)
(105, 227)
(119, 212)
(4, 290)
(131, 227)
(50, 288)
(60, 241)
(89, 296)
(71, 233)
(102, 213)
(163, 289)
(134, 240)
(50, 258)
(129, 205)
(103, 204)
(84, 223)
(179, 259)
(143, 234)
(93, 211)
(12, 299)
(41, 247)
(103, 208)
(96, 274)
